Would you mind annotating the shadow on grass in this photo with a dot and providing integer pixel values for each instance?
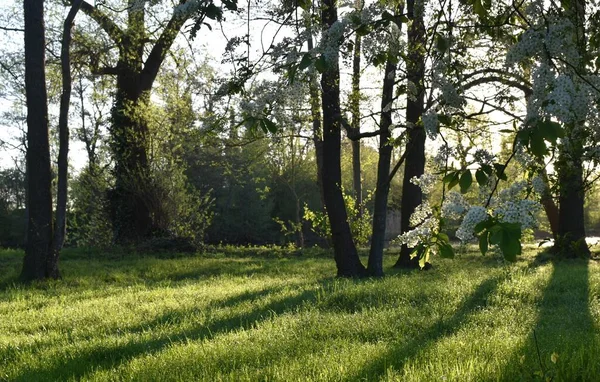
(399, 355)
(564, 326)
(77, 365)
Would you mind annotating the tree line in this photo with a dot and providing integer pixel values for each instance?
(180, 140)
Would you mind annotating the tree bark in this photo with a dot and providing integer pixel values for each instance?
(570, 242)
(415, 146)
(346, 257)
(39, 181)
(375, 264)
(60, 223)
(315, 114)
(355, 110)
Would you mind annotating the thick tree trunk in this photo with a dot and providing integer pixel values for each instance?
(39, 180)
(415, 146)
(346, 256)
(375, 265)
(570, 241)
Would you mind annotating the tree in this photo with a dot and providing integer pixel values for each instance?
(346, 256)
(135, 75)
(415, 146)
(38, 263)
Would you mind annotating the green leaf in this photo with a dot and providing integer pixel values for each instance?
(213, 12)
(363, 30)
(537, 145)
(270, 126)
(454, 181)
(443, 237)
(551, 131)
(487, 223)
(305, 62)
(449, 176)
(509, 131)
(424, 258)
(496, 236)
(479, 9)
(500, 171)
(465, 181)
(481, 177)
(304, 4)
(446, 251)
(441, 44)
(510, 246)
(483, 242)
(487, 169)
(321, 64)
(444, 119)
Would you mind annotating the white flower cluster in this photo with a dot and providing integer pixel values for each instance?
(483, 156)
(513, 192)
(330, 43)
(426, 225)
(185, 10)
(431, 124)
(253, 108)
(454, 205)
(510, 206)
(529, 45)
(519, 211)
(411, 90)
(538, 185)
(474, 216)
(565, 101)
(450, 95)
(421, 213)
(425, 182)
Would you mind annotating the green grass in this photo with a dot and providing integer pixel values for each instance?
(213, 317)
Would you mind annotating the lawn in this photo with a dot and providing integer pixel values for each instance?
(216, 317)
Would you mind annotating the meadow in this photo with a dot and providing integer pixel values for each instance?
(279, 316)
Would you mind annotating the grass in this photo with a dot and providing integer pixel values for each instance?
(214, 317)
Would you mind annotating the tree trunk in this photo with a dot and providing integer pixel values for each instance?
(355, 110)
(415, 146)
(551, 209)
(346, 256)
(375, 265)
(570, 242)
(39, 195)
(60, 224)
(315, 113)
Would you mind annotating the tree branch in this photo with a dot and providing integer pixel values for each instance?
(161, 48)
(104, 21)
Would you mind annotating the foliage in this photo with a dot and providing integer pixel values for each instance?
(360, 225)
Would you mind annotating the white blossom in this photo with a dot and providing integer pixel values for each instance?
(474, 216)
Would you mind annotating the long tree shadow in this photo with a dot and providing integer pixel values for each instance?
(399, 355)
(564, 327)
(111, 356)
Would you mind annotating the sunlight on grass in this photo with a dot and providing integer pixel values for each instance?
(254, 318)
